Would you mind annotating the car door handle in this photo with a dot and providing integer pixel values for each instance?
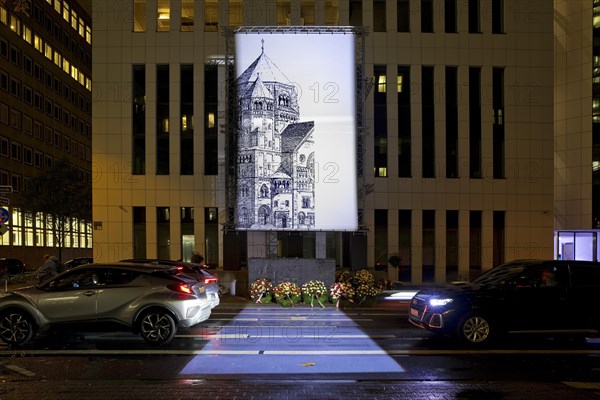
(89, 293)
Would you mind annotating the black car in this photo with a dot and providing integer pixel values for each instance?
(525, 296)
(10, 267)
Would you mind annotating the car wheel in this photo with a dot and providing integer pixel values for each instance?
(16, 327)
(475, 329)
(157, 326)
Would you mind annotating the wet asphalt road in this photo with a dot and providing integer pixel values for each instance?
(250, 351)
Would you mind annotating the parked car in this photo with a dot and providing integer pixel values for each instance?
(140, 298)
(513, 298)
(10, 267)
(78, 261)
(210, 281)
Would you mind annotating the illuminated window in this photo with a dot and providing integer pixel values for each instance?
(139, 15)
(27, 34)
(74, 72)
(235, 13)
(164, 16)
(211, 120)
(66, 11)
(15, 24)
(187, 15)
(17, 227)
(3, 15)
(283, 12)
(66, 66)
(37, 42)
(381, 172)
(381, 83)
(331, 12)
(307, 12)
(48, 51)
(88, 34)
(400, 83)
(81, 28)
(73, 19)
(58, 59)
(211, 16)
(57, 5)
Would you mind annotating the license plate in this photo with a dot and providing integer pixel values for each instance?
(414, 311)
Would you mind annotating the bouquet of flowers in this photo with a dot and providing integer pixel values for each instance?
(342, 276)
(312, 290)
(260, 290)
(287, 293)
(364, 285)
(341, 290)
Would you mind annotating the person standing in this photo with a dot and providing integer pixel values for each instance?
(49, 268)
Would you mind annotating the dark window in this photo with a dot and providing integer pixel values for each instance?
(379, 16)
(450, 16)
(15, 56)
(211, 231)
(139, 120)
(474, 18)
(186, 120)
(27, 64)
(428, 122)
(404, 244)
(498, 129)
(15, 88)
(381, 238)
(211, 98)
(451, 122)
(3, 80)
(356, 13)
(139, 232)
(163, 232)
(475, 244)
(452, 246)
(426, 16)
(428, 245)
(499, 237)
(3, 48)
(497, 16)
(162, 119)
(475, 122)
(404, 123)
(403, 15)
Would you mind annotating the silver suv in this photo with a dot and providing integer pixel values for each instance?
(154, 301)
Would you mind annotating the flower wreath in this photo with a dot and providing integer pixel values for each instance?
(260, 290)
(287, 293)
(341, 290)
(314, 290)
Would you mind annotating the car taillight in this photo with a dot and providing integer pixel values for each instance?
(210, 280)
(181, 288)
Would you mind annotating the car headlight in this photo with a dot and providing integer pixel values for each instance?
(439, 302)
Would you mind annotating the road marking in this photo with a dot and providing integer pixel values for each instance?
(183, 352)
(19, 370)
(583, 385)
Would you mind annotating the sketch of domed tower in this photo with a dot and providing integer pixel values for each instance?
(275, 177)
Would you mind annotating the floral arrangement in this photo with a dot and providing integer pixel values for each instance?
(314, 290)
(341, 290)
(287, 293)
(343, 276)
(364, 285)
(260, 290)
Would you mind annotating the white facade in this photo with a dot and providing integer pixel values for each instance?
(525, 195)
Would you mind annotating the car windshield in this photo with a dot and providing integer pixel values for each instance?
(500, 275)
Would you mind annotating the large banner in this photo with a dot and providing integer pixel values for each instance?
(296, 131)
